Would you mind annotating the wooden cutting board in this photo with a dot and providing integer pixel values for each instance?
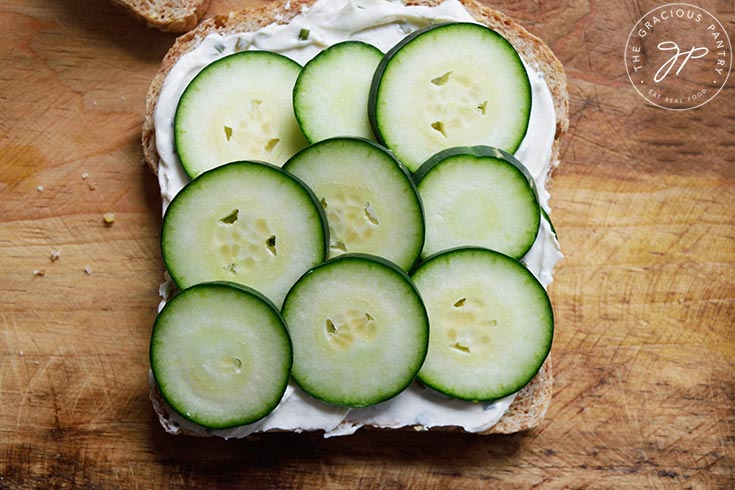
(645, 299)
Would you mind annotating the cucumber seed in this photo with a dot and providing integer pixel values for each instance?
(370, 214)
(230, 218)
(439, 127)
(442, 79)
(271, 244)
(460, 347)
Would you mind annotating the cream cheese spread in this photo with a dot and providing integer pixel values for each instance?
(382, 23)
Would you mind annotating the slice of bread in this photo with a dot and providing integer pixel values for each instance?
(530, 405)
(176, 16)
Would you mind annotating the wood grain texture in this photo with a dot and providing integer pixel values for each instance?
(644, 353)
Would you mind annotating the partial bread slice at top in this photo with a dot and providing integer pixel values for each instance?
(530, 405)
(177, 16)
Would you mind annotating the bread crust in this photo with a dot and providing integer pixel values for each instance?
(176, 16)
(530, 405)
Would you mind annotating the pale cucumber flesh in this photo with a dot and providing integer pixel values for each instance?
(450, 85)
(238, 108)
(359, 330)
(371, 203)
(491, 324)
(330, 97)
(246, 222)
(478, 196)
(220, 354)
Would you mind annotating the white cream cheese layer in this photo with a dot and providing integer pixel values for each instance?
(381, 23)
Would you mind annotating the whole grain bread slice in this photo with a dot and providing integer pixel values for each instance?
(177, 16)
(530, 405)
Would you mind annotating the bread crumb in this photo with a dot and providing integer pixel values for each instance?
(39, 188)
(109, 219)
(92, 186)
(88, 270)
(54, 255)
(85, 176)
(39, 272)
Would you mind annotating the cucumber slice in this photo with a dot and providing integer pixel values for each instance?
(246, 222)
(221, 355)
(478, 196)
(331, 94)
(238, 108)
(491, 323)
(359, 330)
(371, 203)
(449, 85)
(546, 216)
